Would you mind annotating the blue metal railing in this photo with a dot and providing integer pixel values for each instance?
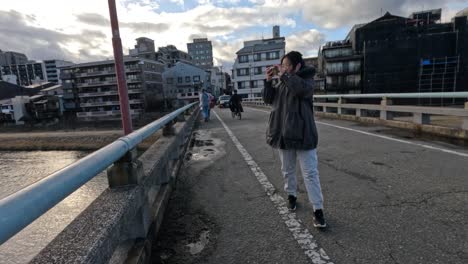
(23, 207)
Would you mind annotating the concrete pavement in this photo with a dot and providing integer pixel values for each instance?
(389, 198)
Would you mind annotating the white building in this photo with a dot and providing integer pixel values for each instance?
(19, 108)
(248, 72)
(218, 81)
(10, 78)
(53, 71)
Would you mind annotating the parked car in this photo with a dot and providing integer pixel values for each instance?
(223, 101)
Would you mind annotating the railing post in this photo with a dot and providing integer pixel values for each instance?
(340, 102)
(358, 112)
(421, 119)
(384, 114)
(128, 170)
(169, 129)
(465, 119)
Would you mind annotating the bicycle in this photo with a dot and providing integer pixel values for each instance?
(237, 113)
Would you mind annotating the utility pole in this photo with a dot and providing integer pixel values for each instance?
(120, 70)
(250, 72)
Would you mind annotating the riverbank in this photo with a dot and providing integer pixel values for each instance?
(65, 140)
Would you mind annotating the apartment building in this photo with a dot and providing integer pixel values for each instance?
(90, 89)
(26, 74)
(52, 69)
(201, 51)
(395, 54)
(248, 72)
(11, 57)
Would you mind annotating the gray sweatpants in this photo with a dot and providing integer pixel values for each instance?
(308, 162)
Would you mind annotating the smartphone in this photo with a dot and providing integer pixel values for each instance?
(275, 70)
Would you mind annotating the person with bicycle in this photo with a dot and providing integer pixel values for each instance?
(235, 103)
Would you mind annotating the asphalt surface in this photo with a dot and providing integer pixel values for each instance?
(386, 200)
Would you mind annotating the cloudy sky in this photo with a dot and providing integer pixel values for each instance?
(79, 31)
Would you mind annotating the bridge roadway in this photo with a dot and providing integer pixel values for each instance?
(389, 198)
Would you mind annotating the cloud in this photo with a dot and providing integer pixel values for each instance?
(93, 19)
(332, 14)
(306, 42)
(84, 32)
(224, 52)
(40, 43)
(145, 27)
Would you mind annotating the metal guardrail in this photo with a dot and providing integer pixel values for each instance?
(24, 206)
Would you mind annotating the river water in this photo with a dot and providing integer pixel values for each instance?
(19, 169)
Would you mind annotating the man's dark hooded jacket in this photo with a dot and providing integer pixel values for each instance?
(292, 123)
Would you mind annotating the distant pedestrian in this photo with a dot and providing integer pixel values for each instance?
(205, 105)
(292, 129)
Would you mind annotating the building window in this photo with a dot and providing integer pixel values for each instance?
(332, 53)
(254, 84)
(258, 70)
(243, 72)
(187, 78)
(274, 55)
(243, 58)
(196, 78)
(353, 80)
(179, 79)
(257, 57)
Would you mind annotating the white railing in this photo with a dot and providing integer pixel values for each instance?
(420, 114)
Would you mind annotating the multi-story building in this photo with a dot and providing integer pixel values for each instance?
(170, 55)
(144, 49)
(218, 81)
(398, 54)
(27, 74)
(248, 73)
(52, 69)
(201, 52)
(341, 67)
(90, 89)
(11, 57)
(185, 81)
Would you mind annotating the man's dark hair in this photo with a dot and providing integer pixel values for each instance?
(235, 91)
(295, 58)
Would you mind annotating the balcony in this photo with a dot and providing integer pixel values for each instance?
(114, 113)
(110, 103)
(68, 96)
(93, 84)
(66, 75)
(67, 85)
(114, 92)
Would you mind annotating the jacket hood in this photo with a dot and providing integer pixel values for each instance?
(306, 72)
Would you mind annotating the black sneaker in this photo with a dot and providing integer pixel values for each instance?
(319, 220)
(292, 202)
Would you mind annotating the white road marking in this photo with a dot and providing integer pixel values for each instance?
(300, 233)
(386, 137)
